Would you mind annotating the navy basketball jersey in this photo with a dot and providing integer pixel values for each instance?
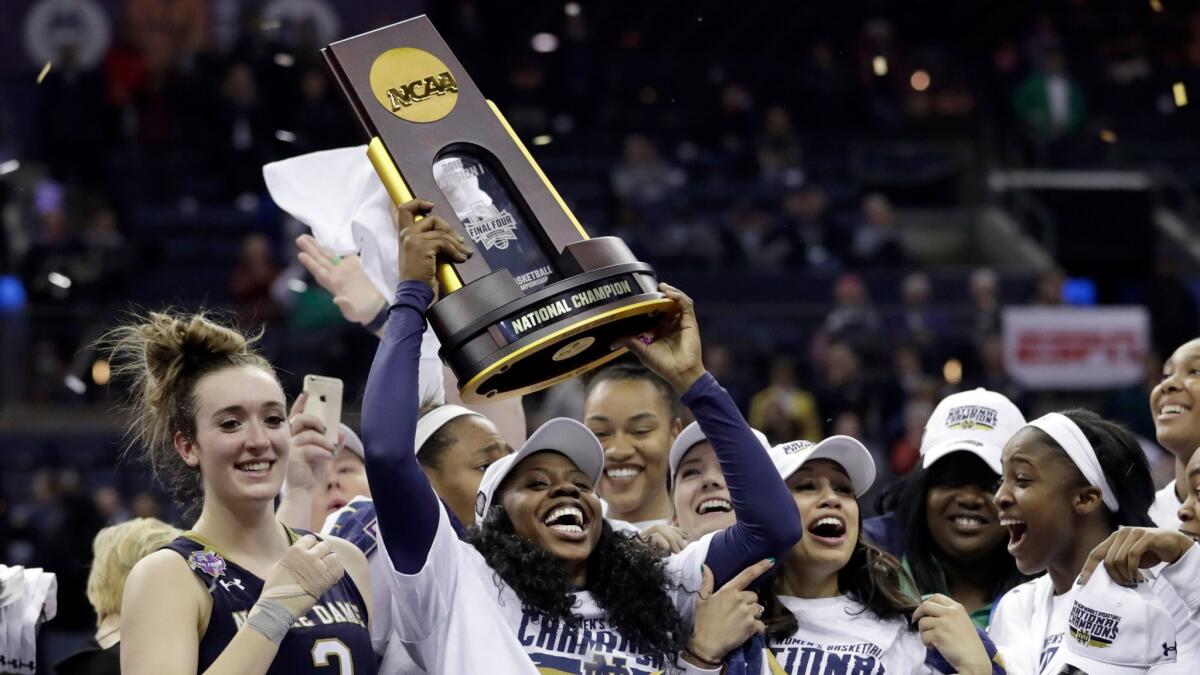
(331, 639)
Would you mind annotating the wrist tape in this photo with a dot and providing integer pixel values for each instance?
(271, 618)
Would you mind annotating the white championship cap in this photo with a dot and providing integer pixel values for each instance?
(977, 421)
(352, 442)
(1117, 630)
(690, 436)
(848, 452)
(562, 435)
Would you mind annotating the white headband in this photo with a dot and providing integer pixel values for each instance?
(436, 419)
(1071, 438)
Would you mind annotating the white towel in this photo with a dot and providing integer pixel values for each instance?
(339, 196)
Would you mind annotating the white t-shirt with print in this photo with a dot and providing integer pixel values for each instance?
(1165, 509)
(1030, 621)
(839, 635)
(461, 618)
(1029, 624)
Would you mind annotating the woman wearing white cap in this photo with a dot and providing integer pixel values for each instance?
(1175, 407)
(545, 579)
(837, 603)
(1070, 481)
(699, 493)
(940, 519)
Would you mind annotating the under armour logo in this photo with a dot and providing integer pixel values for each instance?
(229, 584)
(1169, 648)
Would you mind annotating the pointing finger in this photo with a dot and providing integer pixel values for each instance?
(706, 582)
(748, 575)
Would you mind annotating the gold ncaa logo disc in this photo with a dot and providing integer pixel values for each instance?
(413, 84)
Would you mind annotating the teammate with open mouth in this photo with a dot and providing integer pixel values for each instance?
(699, 495)
(836, 594)
(1070, 481)
(541, 559)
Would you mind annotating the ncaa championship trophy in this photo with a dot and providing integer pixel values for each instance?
(540, 302)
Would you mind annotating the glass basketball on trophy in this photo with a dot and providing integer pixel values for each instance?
(540, 302)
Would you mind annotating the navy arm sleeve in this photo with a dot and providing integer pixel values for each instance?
(768, 523)
(405, 503)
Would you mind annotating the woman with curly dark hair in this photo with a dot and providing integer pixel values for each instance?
(544, 581)
(838, 603)
(940, 520)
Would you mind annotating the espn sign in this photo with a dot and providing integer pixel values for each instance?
(1076, 347)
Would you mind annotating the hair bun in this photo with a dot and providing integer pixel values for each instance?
(174, 345)
(164, 355)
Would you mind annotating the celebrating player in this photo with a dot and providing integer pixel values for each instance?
(632, 411)
(838, 602)
(1175, 407)
(699, 493)
(1070, 481)
(240, 592)
(544, 577)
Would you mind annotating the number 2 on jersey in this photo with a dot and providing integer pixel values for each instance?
(326, 648)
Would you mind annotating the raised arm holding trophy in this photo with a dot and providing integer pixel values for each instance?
(541, 293)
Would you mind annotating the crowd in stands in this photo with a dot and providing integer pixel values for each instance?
(141, 183)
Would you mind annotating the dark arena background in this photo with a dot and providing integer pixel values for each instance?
(874, 204)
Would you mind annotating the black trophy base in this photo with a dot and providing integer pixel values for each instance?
(501, 343)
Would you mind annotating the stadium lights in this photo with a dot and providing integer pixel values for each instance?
(75, 384)
(879, 65)
(952, 371)
(101, 372)
(9, 167)
(920, 80)
(573, 9)
(285, 136)
(1180, 94)
(544, 43)
(544, 139)
(60, 280)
